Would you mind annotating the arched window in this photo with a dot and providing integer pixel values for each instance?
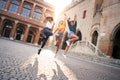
(19, 32)
(26, 10)
(31, 35)
(94, 38)
(116, 45)
(2, 4)
(7, 27)
(14, 6)
(37, 14)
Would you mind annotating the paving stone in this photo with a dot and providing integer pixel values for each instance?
(20, 62)
(13, 79)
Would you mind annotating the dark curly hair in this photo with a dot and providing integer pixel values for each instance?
(49, 18)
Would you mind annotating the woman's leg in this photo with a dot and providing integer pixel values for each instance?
(73, 38)
(56, 39)
(58, 44)
(44, 41)
(43, 44)
(66, 49)
(47, 33)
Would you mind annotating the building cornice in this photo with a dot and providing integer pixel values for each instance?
(13, 17)
(73, 4)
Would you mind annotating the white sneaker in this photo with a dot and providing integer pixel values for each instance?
(68, 43)
(55, 43)
(55, 56)
(64, 55)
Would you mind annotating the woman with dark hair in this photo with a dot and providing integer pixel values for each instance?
(71, 34)
(47, 31)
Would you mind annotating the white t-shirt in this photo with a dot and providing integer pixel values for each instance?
(49, 25)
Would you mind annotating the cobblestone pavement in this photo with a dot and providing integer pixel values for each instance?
(20, 62)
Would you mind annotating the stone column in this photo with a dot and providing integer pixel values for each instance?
(7, 5)
(32, 11)
(37, 37)
(13, 30)
(26, 32)
(2, 19)
(20, 7)
(100, 36)
(43, 15)
(110, 50)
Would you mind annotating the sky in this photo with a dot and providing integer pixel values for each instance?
(59, 4)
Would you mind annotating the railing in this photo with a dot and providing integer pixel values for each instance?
(95, 49)
(78, 43)
(90, 45)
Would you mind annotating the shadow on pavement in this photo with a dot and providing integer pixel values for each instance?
(59, 75)
(42, 77)
(32, 70)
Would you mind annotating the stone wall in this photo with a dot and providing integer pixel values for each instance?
(103, 20)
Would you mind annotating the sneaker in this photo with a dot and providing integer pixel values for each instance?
(55, 43)
(64, 55)
(68, 43)
(55, 56)
(39, 51)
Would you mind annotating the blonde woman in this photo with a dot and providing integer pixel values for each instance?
(60, 31)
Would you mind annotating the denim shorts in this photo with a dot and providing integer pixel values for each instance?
(70, 34)
(60, 35)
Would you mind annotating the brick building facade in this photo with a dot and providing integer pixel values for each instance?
(98, 24)
(24, 19)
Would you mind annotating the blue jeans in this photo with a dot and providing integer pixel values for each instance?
(47, 32)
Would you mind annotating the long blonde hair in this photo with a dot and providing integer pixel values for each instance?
(60, 22)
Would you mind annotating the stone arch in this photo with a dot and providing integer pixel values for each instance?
(95, 27)
(19, 31)
(114, 32)
(115, 41)
(31, 34)
(6, 28)
(94, 34)
(94, 38)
